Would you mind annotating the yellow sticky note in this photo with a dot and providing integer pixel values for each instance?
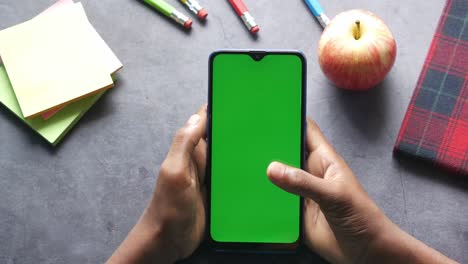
(112, 62)
(52, 60)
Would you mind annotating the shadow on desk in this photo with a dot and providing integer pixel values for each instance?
(102, 108)
(30, 135)
(367, 110)
(422, 168)
(207, 256)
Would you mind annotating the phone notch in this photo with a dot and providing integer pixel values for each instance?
(257, 55)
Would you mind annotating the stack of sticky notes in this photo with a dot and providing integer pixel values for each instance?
(55, 67)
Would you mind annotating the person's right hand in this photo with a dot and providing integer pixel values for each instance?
(341, 222)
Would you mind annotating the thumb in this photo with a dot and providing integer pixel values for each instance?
(187, 137)
(299, 182)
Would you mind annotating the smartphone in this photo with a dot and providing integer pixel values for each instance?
(256, 115)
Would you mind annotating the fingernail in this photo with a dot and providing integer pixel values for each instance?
(275, 169)
(193, 120)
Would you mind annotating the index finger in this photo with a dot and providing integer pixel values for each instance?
(321, 152)
(315, 138)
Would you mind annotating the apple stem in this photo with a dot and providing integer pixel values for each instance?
(357, 32)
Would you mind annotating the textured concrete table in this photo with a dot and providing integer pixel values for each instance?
(76, 202)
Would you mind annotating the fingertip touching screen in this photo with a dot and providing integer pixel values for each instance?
(256, 118)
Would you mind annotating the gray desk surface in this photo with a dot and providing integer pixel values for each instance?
(75, 203)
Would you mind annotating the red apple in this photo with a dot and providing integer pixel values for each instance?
(356, 50)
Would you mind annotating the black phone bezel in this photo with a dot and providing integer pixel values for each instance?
(256, 55)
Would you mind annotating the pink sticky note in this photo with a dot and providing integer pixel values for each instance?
(52, 112)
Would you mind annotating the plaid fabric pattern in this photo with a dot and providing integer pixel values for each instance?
(435, 127)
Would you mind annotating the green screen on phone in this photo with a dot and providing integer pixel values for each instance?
(256, 119)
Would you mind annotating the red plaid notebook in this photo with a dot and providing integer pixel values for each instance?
(435, 127)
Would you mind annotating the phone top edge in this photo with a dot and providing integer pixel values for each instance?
(257, 50)
(248, 51)
(298, 53)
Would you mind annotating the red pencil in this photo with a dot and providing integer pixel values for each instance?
(245, 15)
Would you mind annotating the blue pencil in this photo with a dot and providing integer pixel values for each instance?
(318, 12)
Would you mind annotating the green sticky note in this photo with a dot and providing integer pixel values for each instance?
(56, 127)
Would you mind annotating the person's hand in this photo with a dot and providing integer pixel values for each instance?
(172, 226)
(341, 222)
(178, 204)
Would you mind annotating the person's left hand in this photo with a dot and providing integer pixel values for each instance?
(173, 224)
(178, 203)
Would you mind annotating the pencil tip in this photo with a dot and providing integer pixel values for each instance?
(202, 14)
(255, 29)
(188, 24)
